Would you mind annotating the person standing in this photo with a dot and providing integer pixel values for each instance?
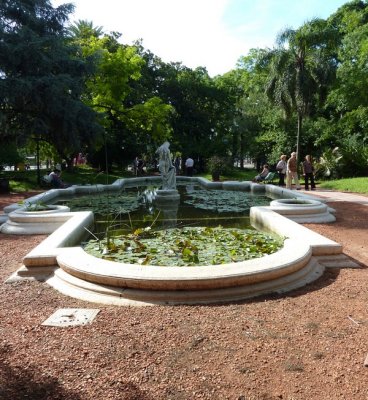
(135, 166)
(189, 164)
(308, 173)
(140, 166)
(177, 163)
(292, 172)
(281, 167)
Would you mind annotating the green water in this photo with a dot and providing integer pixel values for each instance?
(133, 208)
(203, 227)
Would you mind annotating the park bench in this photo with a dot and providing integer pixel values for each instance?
(271, 176)
(46, 181)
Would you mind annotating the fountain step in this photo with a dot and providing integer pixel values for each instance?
(105, 294)
(338, 261)
(35, 273)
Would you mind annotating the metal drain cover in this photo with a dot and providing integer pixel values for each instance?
(71, 317)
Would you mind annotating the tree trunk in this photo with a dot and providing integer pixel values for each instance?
(298, 135)
(241, 151)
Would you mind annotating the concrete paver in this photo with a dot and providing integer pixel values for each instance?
(331, 195)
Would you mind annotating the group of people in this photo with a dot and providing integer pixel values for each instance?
(189, 165)
(289, 169)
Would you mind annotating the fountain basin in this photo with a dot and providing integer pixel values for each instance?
(77, 274)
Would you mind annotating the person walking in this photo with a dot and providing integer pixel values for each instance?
(177, 163)
(308, 173)
(281, 168)
(292, 172)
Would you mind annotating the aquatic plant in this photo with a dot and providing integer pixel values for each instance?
(189, 246)
(224, 201)
(121, 203)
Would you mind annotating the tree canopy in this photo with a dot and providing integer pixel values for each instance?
(80, 88)
(42, 78)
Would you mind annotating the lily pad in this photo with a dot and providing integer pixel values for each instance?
(224, 201)
(104, 204)
(189, 246)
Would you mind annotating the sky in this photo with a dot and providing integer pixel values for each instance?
(200, 33)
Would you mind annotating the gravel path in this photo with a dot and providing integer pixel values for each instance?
(308, 344)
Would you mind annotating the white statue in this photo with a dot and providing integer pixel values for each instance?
(166, 167)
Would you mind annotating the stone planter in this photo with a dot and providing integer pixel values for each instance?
(303, 210)
(215, 176)
(23, 222)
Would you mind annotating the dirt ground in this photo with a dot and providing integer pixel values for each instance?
(308, 344)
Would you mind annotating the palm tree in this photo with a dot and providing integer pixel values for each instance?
(300, 68)
(84, 29)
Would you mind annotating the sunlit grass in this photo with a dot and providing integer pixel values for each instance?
(235, 175)
(21, 181)
(354, 185)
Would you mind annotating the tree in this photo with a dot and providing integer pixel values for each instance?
(202, 111)
(133, 116)
(84, 29)
(300, 69)
(42, 78)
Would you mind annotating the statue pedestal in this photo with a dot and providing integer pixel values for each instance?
(167, 196)
(167, 201)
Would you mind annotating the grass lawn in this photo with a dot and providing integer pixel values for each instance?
(355, 185)
(21, 181)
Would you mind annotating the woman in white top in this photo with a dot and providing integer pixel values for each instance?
(281, 168)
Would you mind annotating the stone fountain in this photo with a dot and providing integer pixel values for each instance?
(168, 193)
(62, 263)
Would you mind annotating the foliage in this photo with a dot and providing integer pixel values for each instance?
(219, 165)
(328, 164)
(354, 156)
(81, 89)
(350, 159)
(185, 247)
(39, 206)
(300, 70)
(203, 109)
(9, 155)
(42, 78)
(351, 22)
(132, 121)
